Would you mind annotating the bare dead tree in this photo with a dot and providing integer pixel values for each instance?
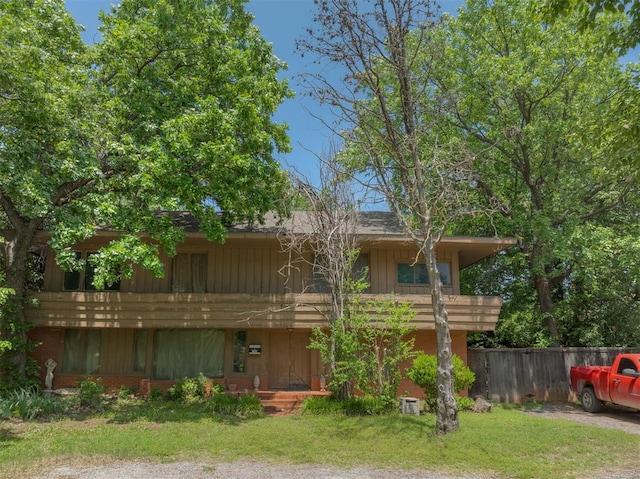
(326, 230)
(384, 109)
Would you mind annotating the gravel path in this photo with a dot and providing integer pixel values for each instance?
(235, 470)
(611, 417)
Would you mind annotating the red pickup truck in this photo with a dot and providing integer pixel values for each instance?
(617, 384)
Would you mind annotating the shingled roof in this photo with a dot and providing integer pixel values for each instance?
(369, 223)
(372, 225)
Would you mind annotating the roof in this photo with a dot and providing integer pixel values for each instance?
(373, 226)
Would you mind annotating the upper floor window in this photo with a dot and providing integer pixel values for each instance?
(416, 273)
(359, 271)
(82, 279)
(189, 273)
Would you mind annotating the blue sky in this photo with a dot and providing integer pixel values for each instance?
(281, 23)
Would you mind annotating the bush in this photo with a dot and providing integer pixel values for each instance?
(247, 406)
(189, 390)
(424, 373)
(156, 394)
(126, 393)
(322, 405)
(464, 402)
(90, 393)
(367, 405)
(29, 404)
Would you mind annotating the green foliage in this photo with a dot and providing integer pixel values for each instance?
(126, 393)
(540, 105)
(365, 405)
(424, 372)
(89, 394)
(29, 404)
(626, 36)
(156, 394)
(367, 345)
(189, 390)
(245, 406)
(464, 402)
(322, 405)
(369, 405)
(171, 110)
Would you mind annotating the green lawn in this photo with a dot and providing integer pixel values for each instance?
(504, 443)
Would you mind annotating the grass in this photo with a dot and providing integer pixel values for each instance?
(505, 443)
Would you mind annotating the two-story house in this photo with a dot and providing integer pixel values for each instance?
(235, 311)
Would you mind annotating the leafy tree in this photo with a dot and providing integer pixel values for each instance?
(368, 349)
(626, 35)
(621, 125)
(172, 110)
(529, 98)
(387, 51)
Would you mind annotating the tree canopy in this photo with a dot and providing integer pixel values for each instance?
(540, 104)
(171, 110)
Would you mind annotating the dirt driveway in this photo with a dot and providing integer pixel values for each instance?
(611, 417)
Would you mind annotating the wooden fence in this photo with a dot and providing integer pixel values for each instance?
(520, 375)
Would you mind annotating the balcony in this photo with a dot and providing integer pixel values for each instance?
(168, 310)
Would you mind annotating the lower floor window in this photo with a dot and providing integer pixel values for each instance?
(81, 351)
(182, 353)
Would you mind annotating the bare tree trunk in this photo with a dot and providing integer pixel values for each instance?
(545, 303)
(447, 413)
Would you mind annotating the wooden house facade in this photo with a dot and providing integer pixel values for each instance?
(238, 310)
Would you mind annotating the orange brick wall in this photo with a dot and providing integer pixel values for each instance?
(50, 346)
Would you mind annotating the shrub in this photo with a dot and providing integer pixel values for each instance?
(247, 406)
(90, 393)
(464, 402)
(322, 405)
(125, 393)
(424, 373)
(156, 394)
(189, 390)
(367, 405)
(29, 404)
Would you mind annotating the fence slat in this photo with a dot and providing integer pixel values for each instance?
(519, 375)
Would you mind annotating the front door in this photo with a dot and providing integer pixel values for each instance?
(289, 360)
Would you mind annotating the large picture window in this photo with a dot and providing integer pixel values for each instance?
(81, 352)
(182, 353)
(416, 273)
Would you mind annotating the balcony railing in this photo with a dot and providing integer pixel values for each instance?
(190, 310)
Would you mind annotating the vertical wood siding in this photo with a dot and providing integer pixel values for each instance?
(258, 267)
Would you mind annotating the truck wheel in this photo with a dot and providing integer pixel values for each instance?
(589, 401)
